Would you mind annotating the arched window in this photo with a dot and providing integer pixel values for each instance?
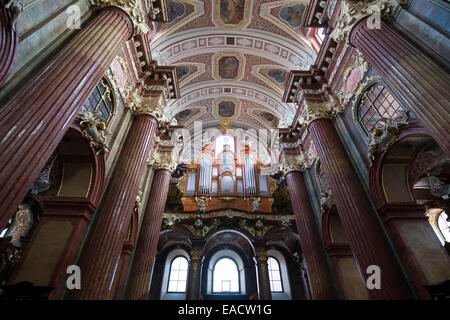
(444, 225)
(376, 104)
(225, 276)
(3, 233)
(276, 284)
(222, 141)
(100, 101)
(178, 275)
(227, 163)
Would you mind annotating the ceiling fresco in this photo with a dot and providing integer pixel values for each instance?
(233, 59)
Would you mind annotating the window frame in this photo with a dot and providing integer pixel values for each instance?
(105, 83)
(237, 257)
(167, 264)
(358, 118)
(238, 274)
(170, 273)
(279, 272)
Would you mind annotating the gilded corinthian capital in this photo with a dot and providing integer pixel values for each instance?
(163, 161)
(352, 12)
(133, 8)
(152, 105)
(298, 162)
(316, 110)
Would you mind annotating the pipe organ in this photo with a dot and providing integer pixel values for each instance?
(226, 180)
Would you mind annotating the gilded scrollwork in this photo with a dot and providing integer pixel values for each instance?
(385, 135)
(202, 202)
(326, 200)
(345, 95)
(352, 12)
(150, 105)
(299, 162)
(94, 130)
(133, 8)
(316, 110)
(163, 161)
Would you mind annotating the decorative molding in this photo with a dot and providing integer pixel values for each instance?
(170, 220)
(163, 161)
(139, 198)
(254, 203)
(299, 162)
(384, 136)
(134, 10)
(16, 7)
(229, 213)
(326, 200)
(151, 105)
(94, 130)
(316, 110)
(351, 13)
(202, 202)
(344, 95)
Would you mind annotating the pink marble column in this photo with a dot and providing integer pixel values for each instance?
(364, 232)
(142, 266)
(264, 292)
(8, 44)
(320, 280)
(104, 246)
(420, 83)
(195, 266)
(34, 121)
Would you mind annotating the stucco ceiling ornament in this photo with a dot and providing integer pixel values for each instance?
(316, 110)
(351, 13)
(152, 105)
(133, 8)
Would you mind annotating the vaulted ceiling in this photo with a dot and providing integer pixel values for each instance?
(233, 58)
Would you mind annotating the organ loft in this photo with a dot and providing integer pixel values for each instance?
(224, 150)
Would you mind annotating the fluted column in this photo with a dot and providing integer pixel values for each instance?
(141, 270)
(420, 83)
(321, 282)
(193, 289)
(8, 43)
(34, 121)
(107, 237)
(264, 292)
(363, 230)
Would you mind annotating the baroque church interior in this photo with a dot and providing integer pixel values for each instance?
(224, 149)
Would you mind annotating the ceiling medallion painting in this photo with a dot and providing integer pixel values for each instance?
(273, 76)
(293, 15)
(227, 108)
(232, 14)
(278, 75)
(228, 66)
(182, 72)
(288, 16)
(189, 71)
(176, 9)
(181, 12)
